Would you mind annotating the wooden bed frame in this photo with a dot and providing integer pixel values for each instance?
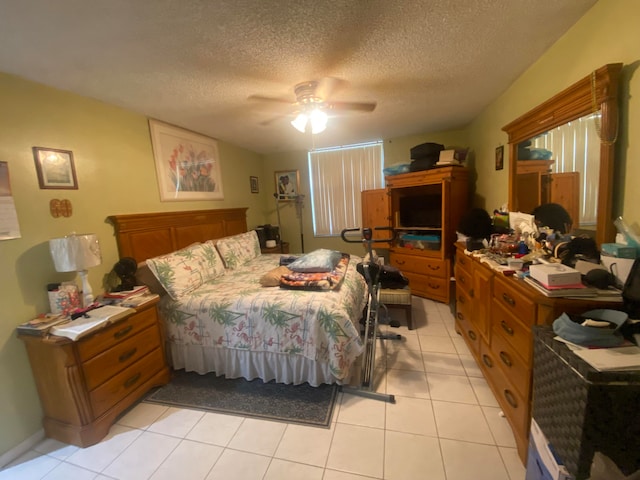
(147, 235)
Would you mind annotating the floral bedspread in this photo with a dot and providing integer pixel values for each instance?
(235, 311)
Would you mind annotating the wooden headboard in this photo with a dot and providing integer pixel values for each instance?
(147, 235)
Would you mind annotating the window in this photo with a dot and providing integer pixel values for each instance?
(337, 176)
(576, 148)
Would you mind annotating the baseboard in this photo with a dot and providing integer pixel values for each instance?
(9, 456)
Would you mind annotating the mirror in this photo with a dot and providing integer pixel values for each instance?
(580, 179)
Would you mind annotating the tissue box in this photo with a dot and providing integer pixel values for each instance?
(618, 250)
(555, 274)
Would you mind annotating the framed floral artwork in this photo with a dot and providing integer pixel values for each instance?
(55, 168)
(287, 184)
(187, 164)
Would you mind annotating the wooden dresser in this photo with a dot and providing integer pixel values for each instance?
(495, 315)
(84, 385)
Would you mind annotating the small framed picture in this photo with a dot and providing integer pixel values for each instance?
(287, 184)
(500, 157)
(253, 181)
(55, 168)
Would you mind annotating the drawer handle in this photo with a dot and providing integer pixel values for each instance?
(506, 359)
(472, 335)
(511, 399)
(506, 327)
(460, 316)
(508, 299)
(132, 380)
(123, 332)
(127, 355)
(462, 261)
(400, 262)
(471, 294)
(434, 287)
(461, 299)
(487, 360)
(435, 269)
(462, 280)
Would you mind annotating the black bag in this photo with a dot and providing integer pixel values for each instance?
(391, 277)
(631, 291)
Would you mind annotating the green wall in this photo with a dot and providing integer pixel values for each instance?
(116, 175)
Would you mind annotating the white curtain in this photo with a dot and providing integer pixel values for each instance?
(576, 148)
(338, 175)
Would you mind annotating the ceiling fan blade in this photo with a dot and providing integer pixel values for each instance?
(352, 106)
(260, 98)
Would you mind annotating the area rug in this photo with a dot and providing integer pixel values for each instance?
(302, 404)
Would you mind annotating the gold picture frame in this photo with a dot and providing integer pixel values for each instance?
(187, 164)
(55, 168)
(287, 184)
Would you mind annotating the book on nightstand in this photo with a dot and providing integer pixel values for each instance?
(41, 325)
(91, 321)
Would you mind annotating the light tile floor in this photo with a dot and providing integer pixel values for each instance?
(444, 425)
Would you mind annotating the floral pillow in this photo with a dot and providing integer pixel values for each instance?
(183, 271)
(239, 249)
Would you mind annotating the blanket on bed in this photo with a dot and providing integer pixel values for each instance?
(233, 311)
(317, 280)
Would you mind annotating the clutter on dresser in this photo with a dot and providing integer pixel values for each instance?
(41, 325)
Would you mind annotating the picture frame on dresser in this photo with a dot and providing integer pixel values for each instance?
(187, 164)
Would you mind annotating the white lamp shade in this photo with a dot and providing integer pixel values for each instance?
(75, 252)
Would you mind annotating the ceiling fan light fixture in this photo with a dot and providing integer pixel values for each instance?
(300, 122)
(318, 121)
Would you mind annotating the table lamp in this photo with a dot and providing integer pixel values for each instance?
(77, 253)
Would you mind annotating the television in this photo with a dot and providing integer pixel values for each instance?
(420, 211)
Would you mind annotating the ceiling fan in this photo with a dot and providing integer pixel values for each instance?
(313, 105)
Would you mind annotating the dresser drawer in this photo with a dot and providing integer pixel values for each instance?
(119, 331)
(513, 301)
(432, 287)
(116, 388)
(465, 327)
(106, 364)
(462, 261)
(464, 279)
(517, 335)
(514, 367)
(514, 405)
(417, 264)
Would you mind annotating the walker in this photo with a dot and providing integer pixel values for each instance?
(370, 270)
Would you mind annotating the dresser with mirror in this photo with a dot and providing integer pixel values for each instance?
(495, 314)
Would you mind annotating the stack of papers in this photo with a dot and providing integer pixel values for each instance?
(623, 358)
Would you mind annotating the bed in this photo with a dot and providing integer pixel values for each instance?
(221, 319)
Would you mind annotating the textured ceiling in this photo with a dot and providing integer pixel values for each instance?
(430, 65)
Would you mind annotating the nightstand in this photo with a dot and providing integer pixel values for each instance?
(85, 385)
(276, 249)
